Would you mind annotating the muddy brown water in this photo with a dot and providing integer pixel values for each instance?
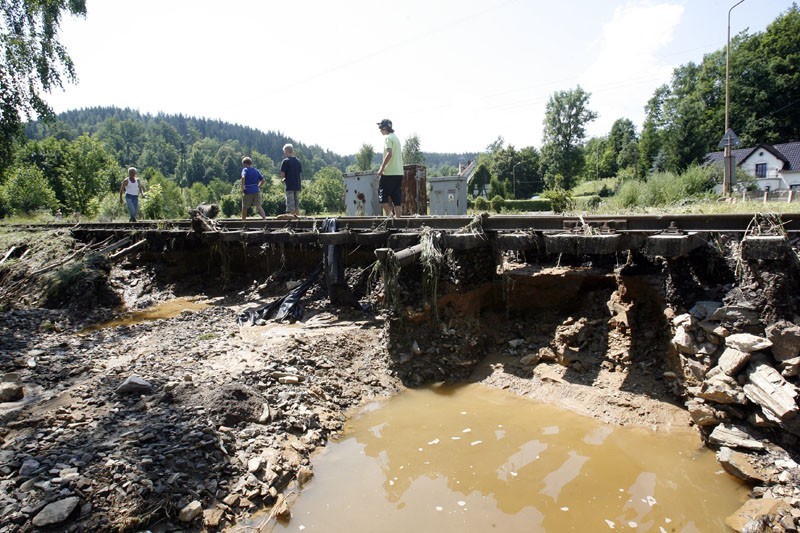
(167, 309)
(473, 459)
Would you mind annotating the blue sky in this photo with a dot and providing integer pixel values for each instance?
(457, 73)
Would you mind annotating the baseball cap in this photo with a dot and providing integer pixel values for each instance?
(385, 123)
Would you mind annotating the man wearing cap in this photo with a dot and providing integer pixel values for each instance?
(390, 186)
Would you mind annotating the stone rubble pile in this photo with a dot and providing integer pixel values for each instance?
(177, 421)
(741, 381)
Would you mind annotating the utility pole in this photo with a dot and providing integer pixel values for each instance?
(514, 177)
(727, 179)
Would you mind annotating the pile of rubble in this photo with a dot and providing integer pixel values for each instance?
(741, 382)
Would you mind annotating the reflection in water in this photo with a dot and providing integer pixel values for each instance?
(168, 309)
(474, 459)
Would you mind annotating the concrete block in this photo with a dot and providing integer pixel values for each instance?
(769, 247)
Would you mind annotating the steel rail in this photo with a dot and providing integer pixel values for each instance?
(670, 223)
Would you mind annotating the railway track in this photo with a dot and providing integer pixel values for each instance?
(727, 223)
(763, 236)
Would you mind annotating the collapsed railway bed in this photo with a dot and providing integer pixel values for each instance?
(642, 320)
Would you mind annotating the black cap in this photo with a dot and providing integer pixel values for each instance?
(385, 123)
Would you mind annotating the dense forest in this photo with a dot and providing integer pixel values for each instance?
(75, 161)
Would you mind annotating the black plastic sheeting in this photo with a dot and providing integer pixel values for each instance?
(288, 307)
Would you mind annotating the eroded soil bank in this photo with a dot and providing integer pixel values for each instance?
(193, 422)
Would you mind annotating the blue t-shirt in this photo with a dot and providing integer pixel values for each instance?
(252, 177)
(292, 170)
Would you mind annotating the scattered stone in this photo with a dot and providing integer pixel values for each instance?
(754, 509)
(56, 512)
(684, 341)
(732, 360)
(738, 465)
(212, 517)
(702, 414)
(746, 342)
(703, 309)
(767, 388)
(785, 339)
(191, 511)
(135, 385)
(733, 437)
(736, 314)
(721, 388)
(10, 391)
(29, 467)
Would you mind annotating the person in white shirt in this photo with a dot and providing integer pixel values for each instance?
(132, 187)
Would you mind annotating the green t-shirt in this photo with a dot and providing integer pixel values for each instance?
(395, 165)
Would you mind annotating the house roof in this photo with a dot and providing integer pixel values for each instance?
(789, 153)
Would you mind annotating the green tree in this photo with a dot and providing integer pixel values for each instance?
(496, 188)
(199, 194)
(326, 189)
(89, 171)
(412, 154)
(219, 188)
(125, 139)
(26, 190)
(50, 155)
(622, 144)
(163, 198)
(365, 157)
(566, 117)
(527, 174)
(32, 62)
(502, 166)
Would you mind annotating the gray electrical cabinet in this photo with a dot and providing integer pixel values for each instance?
(361, 194)
(448, 195)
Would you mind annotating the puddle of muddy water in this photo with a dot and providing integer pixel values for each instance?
(167, 309)
(472, 459)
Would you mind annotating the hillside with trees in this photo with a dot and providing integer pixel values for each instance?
(74, 162)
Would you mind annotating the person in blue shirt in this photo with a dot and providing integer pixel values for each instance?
(291, 173)
(252, 180)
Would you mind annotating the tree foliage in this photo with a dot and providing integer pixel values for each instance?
(686, 119)
(412, 153)
(32, 61)
(566, 116)
(89, 170)
(25, 191)
(365, 157)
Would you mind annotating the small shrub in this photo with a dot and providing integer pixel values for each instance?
(560, 199)
(481, 204)
(497, 203)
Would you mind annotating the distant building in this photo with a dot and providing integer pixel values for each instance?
(776, 167)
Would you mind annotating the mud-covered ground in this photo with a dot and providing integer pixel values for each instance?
(194, 422)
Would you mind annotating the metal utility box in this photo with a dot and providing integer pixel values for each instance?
(361, 194)
(415, 190)
(448, 195)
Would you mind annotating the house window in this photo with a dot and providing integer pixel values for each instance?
(761, 170)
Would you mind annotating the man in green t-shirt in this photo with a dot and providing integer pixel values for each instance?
(390, 186)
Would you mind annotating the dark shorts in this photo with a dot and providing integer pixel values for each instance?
(390, 187)
(249, 199)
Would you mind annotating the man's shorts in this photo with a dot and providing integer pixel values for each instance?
(390, 187)
(249, 199)
(292, 201)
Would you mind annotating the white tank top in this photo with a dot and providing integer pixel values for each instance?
(132, 188)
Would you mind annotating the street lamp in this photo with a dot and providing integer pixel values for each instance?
(514, 175)
(728, 175)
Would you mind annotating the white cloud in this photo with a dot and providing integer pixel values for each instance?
(627, 68)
